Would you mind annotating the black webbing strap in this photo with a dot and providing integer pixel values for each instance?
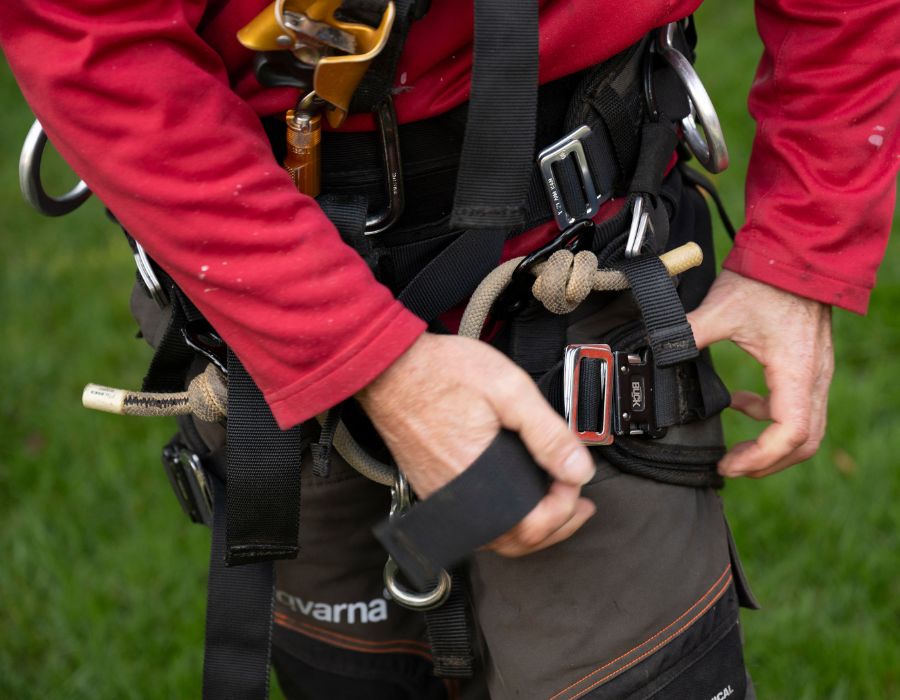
(590, 394)
(499, 143)
(449, 633)
(687, 392)
(263, 478)
(495, 167)
(668, 331)
(238, 619)
(487, 499)
(173, 356)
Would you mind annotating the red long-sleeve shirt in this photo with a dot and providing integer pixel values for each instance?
(155, 105)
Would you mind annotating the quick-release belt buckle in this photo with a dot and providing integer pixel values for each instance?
(557, 155)
(189, 482)
(608, 393)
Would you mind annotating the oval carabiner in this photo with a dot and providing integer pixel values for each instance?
(412, 600)
(708, 147)
(401, 501)
(33, 187)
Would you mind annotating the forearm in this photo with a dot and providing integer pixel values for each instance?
(141, 108)
(821, 184)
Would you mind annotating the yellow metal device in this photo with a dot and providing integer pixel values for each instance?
(302, 25)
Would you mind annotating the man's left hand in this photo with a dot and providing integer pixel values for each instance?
(790, 336)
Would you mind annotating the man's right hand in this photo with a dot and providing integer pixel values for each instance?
(441, 404)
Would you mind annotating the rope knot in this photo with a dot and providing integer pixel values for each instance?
(565, 280)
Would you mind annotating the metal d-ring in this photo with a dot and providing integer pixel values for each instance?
(412, 600)
(401, 501)
(708, 147)
(30, 178)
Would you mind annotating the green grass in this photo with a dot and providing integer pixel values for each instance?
(102, 580)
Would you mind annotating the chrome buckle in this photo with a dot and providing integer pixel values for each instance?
(558, 152)
(571, 391)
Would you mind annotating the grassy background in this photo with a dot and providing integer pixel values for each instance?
(102, 580)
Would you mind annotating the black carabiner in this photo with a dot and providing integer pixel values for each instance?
(576, 237)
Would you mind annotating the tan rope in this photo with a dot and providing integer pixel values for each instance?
(206, 398)
(563, 282)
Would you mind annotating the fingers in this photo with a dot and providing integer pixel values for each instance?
(555, 518)
(522, 408)
(797, 407)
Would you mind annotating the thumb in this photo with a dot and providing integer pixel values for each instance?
(709, 324)
(544, 432)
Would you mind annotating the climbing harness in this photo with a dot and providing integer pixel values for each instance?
(629, 393)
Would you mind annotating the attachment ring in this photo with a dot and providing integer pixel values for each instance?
(708, 147)
(30, 178)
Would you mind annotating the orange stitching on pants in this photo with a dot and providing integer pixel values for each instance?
(333, 639)
(650, 639)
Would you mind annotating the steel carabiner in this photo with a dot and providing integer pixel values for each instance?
(401, 501)
(33, 187)
(708, 146)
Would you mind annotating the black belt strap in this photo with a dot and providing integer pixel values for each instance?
(238, 619)
(487, 499)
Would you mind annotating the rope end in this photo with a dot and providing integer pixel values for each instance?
(104, 398)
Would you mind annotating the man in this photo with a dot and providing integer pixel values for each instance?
(156, 107)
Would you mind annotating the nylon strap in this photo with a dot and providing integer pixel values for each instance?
(238, 619)
(449, 633)
(263, 484)
(496, 163)
(499, 143)
(668, 331)
(500, 488)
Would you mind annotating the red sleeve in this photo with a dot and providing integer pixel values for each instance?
(141, 108)
(821, 184)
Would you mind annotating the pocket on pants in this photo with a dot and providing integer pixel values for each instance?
(705, 662)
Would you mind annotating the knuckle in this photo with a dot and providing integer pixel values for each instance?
(530, 537)
(798, 436)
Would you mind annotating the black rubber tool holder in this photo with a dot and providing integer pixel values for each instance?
(499, 489)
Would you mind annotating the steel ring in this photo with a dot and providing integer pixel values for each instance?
(709, 147)
(30, 179)
(411, 600)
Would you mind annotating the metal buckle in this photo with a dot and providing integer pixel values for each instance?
(189, 482)
(635, 396)
(572, 387)
(627, 393)
(558, 152)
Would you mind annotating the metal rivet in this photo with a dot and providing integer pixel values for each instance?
(284, 40)
(626, 416)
